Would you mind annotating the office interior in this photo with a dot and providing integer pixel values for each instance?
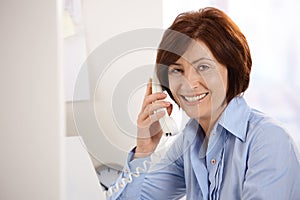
(45, 44)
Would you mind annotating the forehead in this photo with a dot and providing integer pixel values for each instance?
(197, 49)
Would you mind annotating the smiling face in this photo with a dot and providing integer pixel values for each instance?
(199, 84)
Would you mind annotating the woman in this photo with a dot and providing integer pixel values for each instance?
(227, 150)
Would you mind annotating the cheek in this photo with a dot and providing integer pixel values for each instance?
(225, 82)
(218, 85)
(173, 84)
(174, 87)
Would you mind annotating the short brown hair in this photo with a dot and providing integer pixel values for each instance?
(220, 34)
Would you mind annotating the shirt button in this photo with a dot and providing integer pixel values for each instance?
(213, 161)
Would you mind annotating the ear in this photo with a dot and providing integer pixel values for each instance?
(169, 109)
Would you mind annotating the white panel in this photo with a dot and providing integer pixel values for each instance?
(31, 119)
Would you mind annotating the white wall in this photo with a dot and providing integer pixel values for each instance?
(31, 105)
(107, 18)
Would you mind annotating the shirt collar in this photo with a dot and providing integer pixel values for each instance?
(235, 117)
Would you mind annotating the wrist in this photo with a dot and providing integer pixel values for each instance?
(141, 152)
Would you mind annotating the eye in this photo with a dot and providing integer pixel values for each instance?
(175, 71)
(201, 68)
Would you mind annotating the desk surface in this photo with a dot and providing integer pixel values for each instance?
(81, 178)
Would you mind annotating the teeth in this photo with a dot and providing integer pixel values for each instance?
(195, 98)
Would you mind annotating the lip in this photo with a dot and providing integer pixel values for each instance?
(194, 99)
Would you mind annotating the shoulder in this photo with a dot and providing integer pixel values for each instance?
(267, 135)
(263, 126)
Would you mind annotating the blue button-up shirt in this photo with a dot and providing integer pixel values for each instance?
(247, 156)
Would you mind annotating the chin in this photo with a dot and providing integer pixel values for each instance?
(195, 113)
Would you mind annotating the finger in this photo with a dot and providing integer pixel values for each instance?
(169, 109)
(150, 119)
(152, 98)
(148, 91)
(151, 108)
(155, 117)
(149, 87)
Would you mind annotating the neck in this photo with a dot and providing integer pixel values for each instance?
(208, 123)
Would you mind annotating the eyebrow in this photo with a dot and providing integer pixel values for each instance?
(195, 61)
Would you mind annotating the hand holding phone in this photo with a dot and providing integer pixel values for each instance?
(167, 123)
(153, 124)
(153, 120)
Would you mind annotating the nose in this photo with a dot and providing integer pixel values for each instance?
(193, 79)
